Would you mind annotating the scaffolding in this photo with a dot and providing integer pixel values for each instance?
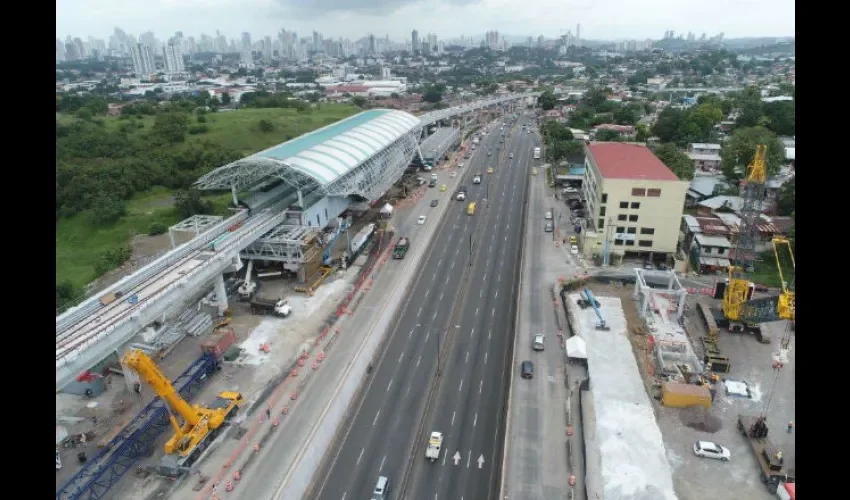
(194, 225)
(290, 244)
(649, 297)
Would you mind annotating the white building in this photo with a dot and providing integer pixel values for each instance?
(172, 52)
(142, 60)
(705, 156)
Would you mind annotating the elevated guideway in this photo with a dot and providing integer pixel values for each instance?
(362, 155)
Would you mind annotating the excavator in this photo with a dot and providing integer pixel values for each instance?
(739, 310)
(200, 424)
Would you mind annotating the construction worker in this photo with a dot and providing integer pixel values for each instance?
(790, 426)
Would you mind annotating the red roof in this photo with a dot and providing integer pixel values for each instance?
(791, 488)
(617, 160)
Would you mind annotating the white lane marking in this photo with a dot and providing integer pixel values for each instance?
(434, 316)
(428, 291)
(499, 278)
(480, 293)
(441, 297)
(480, 386)
(389, 385)
(411, 332)
(460, 387)
(418, 360)
(426, 337)
(453, 418)
(497, 292)
(445, 456)
(420, 312)
(471, 333)
(476, 311)
(407, 391)
(440, 262)
(359, 457)
(384, 460)
(475, 420)
(447, 279)
(453, 265)
(488, 335)
(346, 493)
(485, 274)
(435, 496)
(400, 358)
(376, 418)
(468, 459)
(493, 312)
(467, 357)
(485, 358)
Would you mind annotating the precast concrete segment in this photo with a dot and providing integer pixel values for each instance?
(460, 412)
(339, 481)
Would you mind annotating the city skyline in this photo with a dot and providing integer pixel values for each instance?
(447, 19)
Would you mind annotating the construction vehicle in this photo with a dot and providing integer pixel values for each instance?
(435, 444)
(200, 424)
(590, 301)
(276, 307)
(740, 311)
(247, 289)
(401, 248)
(769, 457)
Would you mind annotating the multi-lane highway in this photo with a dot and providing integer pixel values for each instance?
(382, 431)
(469, 407)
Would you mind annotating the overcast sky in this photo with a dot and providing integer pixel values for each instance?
(600, 19)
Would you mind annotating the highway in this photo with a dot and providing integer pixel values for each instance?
(381, 432)
(469, 407)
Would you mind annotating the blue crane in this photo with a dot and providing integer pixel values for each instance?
(588, 295)
(326, 255)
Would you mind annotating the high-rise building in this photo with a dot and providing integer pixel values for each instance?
(578, 34)
(432, 43)
(372, 48)
(60, 50)
(173, 55)
(246, 41)
(142, 60)
(414, 39)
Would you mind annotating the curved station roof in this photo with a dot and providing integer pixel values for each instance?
(319, 157)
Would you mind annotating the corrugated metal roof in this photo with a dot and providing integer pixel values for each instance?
(330, 152)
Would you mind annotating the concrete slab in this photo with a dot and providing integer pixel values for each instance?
(626, 454)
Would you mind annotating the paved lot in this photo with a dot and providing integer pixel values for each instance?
(699, 478)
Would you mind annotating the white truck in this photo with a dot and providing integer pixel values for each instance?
(476, 179)
(435, 444)
(536, 153)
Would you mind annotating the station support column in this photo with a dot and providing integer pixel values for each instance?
(221, 295)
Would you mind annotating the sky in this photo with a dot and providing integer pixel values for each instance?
(600, 19)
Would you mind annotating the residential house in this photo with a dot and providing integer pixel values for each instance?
(625, 131)
(629, 188)
(702, 188)
(711, 252)
(706, 156)
(727, 225)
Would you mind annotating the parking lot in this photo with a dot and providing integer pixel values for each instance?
(772, 393)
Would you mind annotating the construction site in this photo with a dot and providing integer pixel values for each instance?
(715, 364)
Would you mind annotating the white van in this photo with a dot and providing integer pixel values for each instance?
(382, 488)
(548, 215)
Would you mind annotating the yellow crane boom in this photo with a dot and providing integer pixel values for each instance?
(786, 307)
(200, 424)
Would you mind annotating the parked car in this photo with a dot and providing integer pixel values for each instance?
(573, 250)
(434, 203)
(422, 219)
(708, 449)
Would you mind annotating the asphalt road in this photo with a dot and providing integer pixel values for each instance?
(380, 435)
(470, 403)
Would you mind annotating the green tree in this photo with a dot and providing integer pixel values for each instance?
(751, 106)
(189, 203)
(171, 127)
(225, 97)
(106, 209)
(786, 198)
(358, 101)
(677, 161)
(65, 294)
(781, 116)
(546, 100)
(669, 125)
(266, 126)
(607, 135)
(627, 115)
(739, 149)
(642, 133)
(432, 95)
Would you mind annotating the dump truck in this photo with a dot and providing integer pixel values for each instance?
(435, 444)
(774, 470)
(401, 248)
(276, 307)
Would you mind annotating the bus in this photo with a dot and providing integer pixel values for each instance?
(470, 210)
(536, 153)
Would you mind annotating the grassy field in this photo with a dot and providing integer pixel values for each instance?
(79, 245)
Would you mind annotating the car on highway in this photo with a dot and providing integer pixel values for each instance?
(548, 216)
(422, 219)
(443, 188)
(537, 343)
(489, 170)
(573, 240)
(433, 183)
(459, 165)
(707, 449)
(511, 156)
(549, 227)
(527, 369)
(454, 174)
(489, 153)
(382, 489)
(434, 176)
(573, 250)
(434, 203)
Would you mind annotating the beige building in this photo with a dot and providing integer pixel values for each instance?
(632, 201)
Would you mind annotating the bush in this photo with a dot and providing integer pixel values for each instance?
(198, 129)
(111, 259)
(202, 119)
(157, 228)
(266, 126)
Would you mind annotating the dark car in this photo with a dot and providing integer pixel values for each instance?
(527, 369)
(434, 203)
(432, 183)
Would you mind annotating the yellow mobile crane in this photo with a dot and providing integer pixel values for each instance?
(738, 309)
(200, 425)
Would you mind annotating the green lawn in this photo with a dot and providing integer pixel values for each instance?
(79, 245)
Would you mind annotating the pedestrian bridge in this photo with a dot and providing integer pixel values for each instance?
(360, 157)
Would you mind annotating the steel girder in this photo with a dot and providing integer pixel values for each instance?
(373, 177)
(243, 174)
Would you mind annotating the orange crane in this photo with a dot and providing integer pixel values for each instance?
(200, 424)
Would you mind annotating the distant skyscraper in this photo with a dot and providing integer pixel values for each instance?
(246, 41)
(173, 55)
(414, 38)
(578, 34)
(60, 50)
(432, 43)
(142, 60)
